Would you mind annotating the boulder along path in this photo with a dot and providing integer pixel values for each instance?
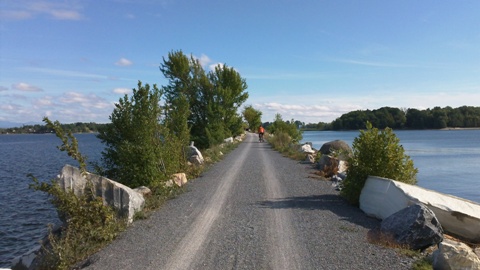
(253, 210)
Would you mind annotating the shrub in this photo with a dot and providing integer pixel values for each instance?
(88, 225)
(280, 141)
(376, 153)
(287, 127)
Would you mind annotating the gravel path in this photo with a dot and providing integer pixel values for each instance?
(253, 210)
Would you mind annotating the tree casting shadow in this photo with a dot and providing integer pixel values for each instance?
(326, 202)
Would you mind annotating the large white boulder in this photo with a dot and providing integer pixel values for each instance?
(121, 197)
(381, 197)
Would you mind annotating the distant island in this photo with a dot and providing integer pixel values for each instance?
(42, 129)
(437, 118)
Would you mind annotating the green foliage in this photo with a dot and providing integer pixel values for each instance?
(436, 118)
(88, 224)
(376, 153)
(139, 149)
(213, 98)
(381, 118)
(288, 127)
(252, 116)
(69, 143)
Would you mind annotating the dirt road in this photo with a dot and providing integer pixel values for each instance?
(253, 210)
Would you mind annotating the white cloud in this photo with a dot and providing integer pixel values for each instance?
(44, 102)
(204, 60)
(23, 10)
(8, 107)
(122, 91)
(307, 113)
(83, 100)
(213, 66)
(66, 73)
(3, 88)
(123, 62)
(26, 87)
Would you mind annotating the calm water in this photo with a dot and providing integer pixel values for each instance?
(24, 212)
(448, 161)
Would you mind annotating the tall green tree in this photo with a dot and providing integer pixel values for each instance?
(230, 94)
(137, 145)
(253, 117)
(213, 98)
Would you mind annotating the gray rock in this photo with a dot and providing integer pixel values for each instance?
(196, 159)
(415, 227)
(27, 261)
(337, 145)
(310, 159)
(121, 197)
(194, 155)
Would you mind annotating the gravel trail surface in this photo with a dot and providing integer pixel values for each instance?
(253, 210)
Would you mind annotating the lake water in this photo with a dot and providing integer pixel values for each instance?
(448, 161)
(25, 213)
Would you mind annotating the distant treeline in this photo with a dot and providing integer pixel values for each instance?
(436, 118)
(39, 129)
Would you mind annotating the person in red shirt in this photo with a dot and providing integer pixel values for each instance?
(261, 131)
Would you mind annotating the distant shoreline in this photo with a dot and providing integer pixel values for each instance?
(456, 128)
(447, 128)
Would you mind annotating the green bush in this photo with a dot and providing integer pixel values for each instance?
(287, 127)
(376, 153)
(87, 226)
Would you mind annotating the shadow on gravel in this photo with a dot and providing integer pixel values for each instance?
(328, 202)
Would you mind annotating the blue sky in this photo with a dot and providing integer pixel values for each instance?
(308, 60)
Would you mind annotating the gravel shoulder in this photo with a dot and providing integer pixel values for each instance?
(253, 210)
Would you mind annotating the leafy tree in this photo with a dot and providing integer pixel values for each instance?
(289, 128)
(230, 95)
(253, 117)
(376, 153)
(137, 145)
(213, 98)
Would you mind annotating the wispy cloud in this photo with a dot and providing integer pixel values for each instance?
(89, 100)
(67, 73)
(314, 113)
(122, 91)
(24, 10)
(26, 87)
(3, 88)
(373, 64)
(123, 62)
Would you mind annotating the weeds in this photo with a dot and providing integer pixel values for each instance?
(88, 225)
